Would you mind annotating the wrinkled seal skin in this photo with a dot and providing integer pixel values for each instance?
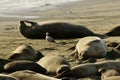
(56, 30)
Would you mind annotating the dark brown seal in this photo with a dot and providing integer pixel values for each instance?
(24, 65)
(114, 32)
(56, 30)
(60, 30)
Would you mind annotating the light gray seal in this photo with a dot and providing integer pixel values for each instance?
(54, 65)
(88, 47)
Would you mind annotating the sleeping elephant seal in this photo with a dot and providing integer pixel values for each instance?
(88, 69)
(56, 30)
(24, 65)
(2, 63)
(7, 77)
(26, 52)
(90, 46)
(30, 75)
(54, 65)
(105, 73)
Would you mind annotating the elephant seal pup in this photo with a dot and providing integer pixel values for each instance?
(25, 52)
(7, 77)
(90, 46)
(24, 65)
(56, 29)
(108, 73)
(54, 65)
(2, 63)
(30, 75)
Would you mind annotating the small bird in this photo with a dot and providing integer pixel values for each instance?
(49, 38)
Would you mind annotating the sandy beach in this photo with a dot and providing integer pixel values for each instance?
(100, 16)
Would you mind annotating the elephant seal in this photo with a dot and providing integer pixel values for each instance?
(90, 46)
(60, 30)
(56, 30)
(26, 52)
(54, 65)
(88, 69)
(7, 77)
(112, 78)
(2, 63)
(30, 75)
(108, 73)
(24, 65)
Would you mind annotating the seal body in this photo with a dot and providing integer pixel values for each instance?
(88, 69)
(31, 75)
(114, 32)
(24, 65)
(90, 46)
(25, 52)
(56, 30)
(54, 65)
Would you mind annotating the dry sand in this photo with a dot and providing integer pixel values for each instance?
(98, 15)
